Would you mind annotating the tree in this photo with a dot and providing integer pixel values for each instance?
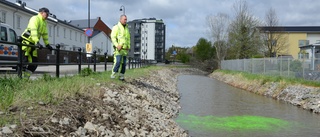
(204, 50)
(243, 36)
(218, 31)
(275, 41)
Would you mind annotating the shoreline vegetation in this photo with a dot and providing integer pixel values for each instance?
(92, 104)
(298, 92)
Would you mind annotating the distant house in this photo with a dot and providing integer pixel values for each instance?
(100, 39)
(304, 41)
(297, 36)
(68, 34)
(60, 32)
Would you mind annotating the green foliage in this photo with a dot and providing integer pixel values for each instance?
(86, 72)
(185, 58)
(258, 56)
(296, 66)
(204, 50)
(8, 86)
(267, 78)
(47, 77)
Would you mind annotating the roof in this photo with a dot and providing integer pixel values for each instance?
(310, 46)
(96, 32)
(291, 28)
(83, 23)
(22, 6)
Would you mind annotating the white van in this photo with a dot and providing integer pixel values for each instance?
(8, 52)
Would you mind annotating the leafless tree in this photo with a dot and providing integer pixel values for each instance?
(218, 32)
(243, 36)
(275, 41)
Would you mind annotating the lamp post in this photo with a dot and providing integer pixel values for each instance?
(88, 28)
(122, 8)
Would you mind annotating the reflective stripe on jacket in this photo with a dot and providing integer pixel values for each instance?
(120, 35)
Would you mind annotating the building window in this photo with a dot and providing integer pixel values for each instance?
(18, 22)
(58, 31)
(64, 32)
(70, 34)
(81, 37)
(303, 43)
(50, 31)
(75, 36)
(303, 55)
(3, 16)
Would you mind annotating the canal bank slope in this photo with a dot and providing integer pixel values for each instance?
(303, 96)
(143, 106)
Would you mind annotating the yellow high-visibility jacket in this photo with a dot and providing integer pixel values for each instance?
(120, 35)
(36, 29)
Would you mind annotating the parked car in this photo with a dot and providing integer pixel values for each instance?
(8, 52)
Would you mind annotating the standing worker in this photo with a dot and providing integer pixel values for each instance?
(37, 28)
(120, 37)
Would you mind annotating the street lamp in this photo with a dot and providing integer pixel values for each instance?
(122, 8)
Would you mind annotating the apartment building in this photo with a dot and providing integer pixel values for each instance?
(147, 39)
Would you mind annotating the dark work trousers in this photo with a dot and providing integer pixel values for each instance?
(30, 67)
(119, 63)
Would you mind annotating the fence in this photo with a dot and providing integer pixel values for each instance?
(59, 59)
(281, 66)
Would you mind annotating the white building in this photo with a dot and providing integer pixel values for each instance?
(147, 39)
(69, 36)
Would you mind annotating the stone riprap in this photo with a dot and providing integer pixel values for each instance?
(300, 95)
(141, 107)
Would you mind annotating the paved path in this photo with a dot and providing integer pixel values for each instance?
(68, 70)
(65, 70)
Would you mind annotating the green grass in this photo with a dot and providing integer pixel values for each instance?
(47, 89)
(51, 90)
(268, 78)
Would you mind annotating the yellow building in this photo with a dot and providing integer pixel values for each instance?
(297, 39)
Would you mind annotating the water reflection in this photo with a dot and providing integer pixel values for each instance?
(212, 108)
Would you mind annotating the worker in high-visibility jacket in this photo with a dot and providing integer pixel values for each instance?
(37, 28)
(120, 37)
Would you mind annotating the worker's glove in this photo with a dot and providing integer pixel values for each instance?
(49, 47)
(39, 45)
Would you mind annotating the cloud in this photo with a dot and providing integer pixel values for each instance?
(185, 19)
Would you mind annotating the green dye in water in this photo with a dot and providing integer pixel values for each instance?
(233, 123)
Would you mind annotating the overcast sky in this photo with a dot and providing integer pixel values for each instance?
(185, 19)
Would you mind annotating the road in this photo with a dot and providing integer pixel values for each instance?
(65, 70)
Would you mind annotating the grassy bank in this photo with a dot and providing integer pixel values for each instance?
(268, 78)
(50, 90)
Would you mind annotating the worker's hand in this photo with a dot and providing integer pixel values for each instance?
(49, 47)
(38, 45)
(119, 47)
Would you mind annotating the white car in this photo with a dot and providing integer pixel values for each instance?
(8, 50)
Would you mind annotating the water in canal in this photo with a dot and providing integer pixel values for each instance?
(211, 108)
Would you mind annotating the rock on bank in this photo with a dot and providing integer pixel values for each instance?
(300, 95)
(141, 107)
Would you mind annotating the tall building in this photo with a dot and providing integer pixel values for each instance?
(147, 39)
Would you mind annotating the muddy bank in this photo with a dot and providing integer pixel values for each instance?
(143, 106)
(303, 96)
